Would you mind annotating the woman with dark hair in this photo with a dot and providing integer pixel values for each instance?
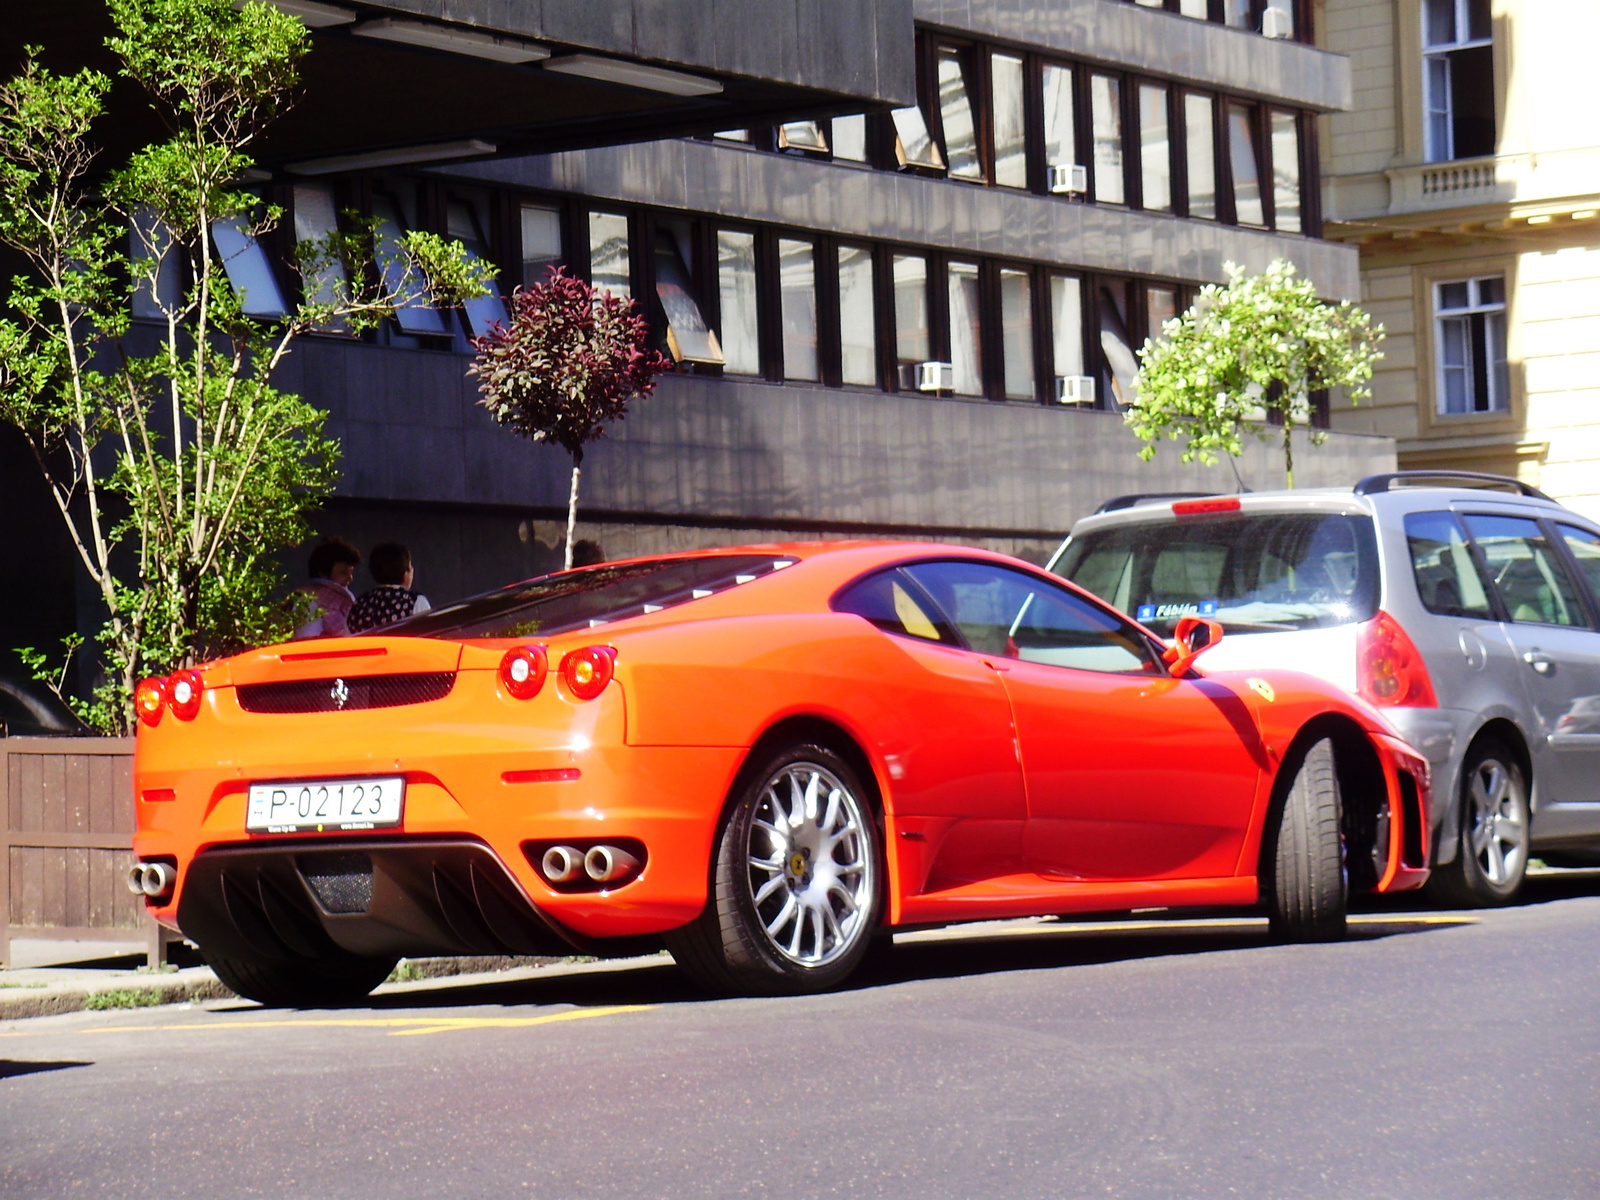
(332, 568)
(392, 600)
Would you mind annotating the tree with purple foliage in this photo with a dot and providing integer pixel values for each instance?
(567, 365)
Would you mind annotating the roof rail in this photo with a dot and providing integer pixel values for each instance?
(1120, 502)
(1445, 477)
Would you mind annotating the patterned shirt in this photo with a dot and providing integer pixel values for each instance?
(381, 606)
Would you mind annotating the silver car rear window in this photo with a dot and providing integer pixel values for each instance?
(1253, 572)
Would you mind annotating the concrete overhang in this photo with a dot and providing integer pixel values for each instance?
(392, 81)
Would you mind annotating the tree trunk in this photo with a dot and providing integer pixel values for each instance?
(572, 512)
(1288, 449)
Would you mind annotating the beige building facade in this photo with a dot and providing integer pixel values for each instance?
(1468, 174)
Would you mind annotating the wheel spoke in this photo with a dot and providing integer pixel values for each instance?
(1480, 837)
(767, 864)
(790, 907)
(1496, 869)
(799, 932)
(838, 889)
(812, 785)
(769, 888)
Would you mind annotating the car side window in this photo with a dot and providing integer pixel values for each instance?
(1531, 580)
(1585, 549)
(1009, 614)
(1441, 562)
(890, 602)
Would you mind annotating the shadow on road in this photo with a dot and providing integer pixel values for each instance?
(10, 1068)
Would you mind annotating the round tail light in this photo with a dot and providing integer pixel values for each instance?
(149, 699)
(523, 669)
(183, 694)
(586, 672)
(1390, 671)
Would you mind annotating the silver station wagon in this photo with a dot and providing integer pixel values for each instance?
(1466, 607)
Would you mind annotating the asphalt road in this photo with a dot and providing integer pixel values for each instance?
(1433, 1054)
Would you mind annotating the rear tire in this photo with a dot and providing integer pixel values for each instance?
(1492, 854)
(303, 983)
(1307, 891)
(797, 882)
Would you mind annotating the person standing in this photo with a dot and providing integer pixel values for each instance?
(392, 600)
(332, 569)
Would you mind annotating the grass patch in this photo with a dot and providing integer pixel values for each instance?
(6, 985)
(123, 998)
(406, 971)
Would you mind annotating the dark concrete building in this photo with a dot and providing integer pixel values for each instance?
(903, 252)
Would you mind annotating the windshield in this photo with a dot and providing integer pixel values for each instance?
(585, 598)
(1254, 573)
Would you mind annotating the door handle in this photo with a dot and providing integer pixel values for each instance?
(1539, 661)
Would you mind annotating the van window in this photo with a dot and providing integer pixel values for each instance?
(1447, 578)
(1532, 583)
(1253, 572)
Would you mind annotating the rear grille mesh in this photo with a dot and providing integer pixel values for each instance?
(345, 694)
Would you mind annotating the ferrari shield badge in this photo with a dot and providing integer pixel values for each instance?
(1262, 688)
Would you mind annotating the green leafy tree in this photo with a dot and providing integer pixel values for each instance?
(567, 365)
(178, 468)
(1255, 345)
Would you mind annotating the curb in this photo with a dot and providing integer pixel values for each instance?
(51, 1001)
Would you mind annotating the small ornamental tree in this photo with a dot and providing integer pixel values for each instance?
(567, 365)
(1256, 345)
(179, 470)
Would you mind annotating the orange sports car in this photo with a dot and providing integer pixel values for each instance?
(764, 758)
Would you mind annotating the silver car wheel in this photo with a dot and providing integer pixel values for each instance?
(812, 876)
(1499, 816)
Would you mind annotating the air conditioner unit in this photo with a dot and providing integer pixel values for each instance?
(1075, 389)
(1069, 179)
(936, 377)
(1277, 23)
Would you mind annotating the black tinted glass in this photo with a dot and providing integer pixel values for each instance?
(890, 602)
(554, 604)
(1251, 572)
(1448, 582)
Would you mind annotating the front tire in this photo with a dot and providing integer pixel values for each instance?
(1492, 857)
(1308, 890)
(797, 882)
(303, 983)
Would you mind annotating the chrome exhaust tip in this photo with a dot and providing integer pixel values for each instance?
(606, 864)
(157, 879)
(136, 879)
(561, 864)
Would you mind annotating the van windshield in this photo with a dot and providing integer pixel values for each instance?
(1253, 572)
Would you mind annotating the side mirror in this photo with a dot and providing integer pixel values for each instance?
(1193, 637)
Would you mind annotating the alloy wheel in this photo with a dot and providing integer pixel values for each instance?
(1499, 822)
(811, 871)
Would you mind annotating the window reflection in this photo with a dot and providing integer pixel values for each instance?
(608, 254)
(913, 144)
(1105, 95)
(1060, 134)
(689, 338)
(1160, 306)
(802, 135)
(541, 242)
(483, 312)
(248, 269)
(911, 309)
(1200, 138)
(858, 334)
(965, 331)
(150, 240)
(1244, 159)
(797, 285)
(736, 286)
(315, 219)
(416, 316)
(1121, 363)
(1016, 332)
(1286, 171)
(955, 109)
(1010, 134)
(1155, 157)
(1066, 325)
(850, 138)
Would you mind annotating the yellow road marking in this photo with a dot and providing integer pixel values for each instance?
(1171, 925)
(399, 1026)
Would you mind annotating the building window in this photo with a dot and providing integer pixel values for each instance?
(1286, 172)
(416, 317)
(736, 287)
(1458, 77)
(913, 144)
(956, 115)
(1066, 329)
(911, 335)
(541, 242)
(1160, 306)
(689, 338)
(1116, 343)
(733, 135)
(487, 311)
(608, 254)
(802, 135)
(1105, 101)
(1010, 124)
(1016, 333)
(1470, 325)
(850, 138)
(858, 331)
(797, 286)
(1200, 10)
(248, 269)
(1155, 154)
(1060, 130)
(150, 240)
(1240, 14)
(314, 219)
(1200, 139)
(966, 328)
(1245, 160)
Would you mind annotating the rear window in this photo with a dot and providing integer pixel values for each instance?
(1255, 573)
(585, 598)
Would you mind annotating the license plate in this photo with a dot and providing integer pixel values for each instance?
(324, 804)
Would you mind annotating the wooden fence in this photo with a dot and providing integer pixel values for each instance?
(66, 843)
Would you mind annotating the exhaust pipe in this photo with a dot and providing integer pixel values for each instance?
(136, 879)
(561, 864)
(154, 880)
(605, 864)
